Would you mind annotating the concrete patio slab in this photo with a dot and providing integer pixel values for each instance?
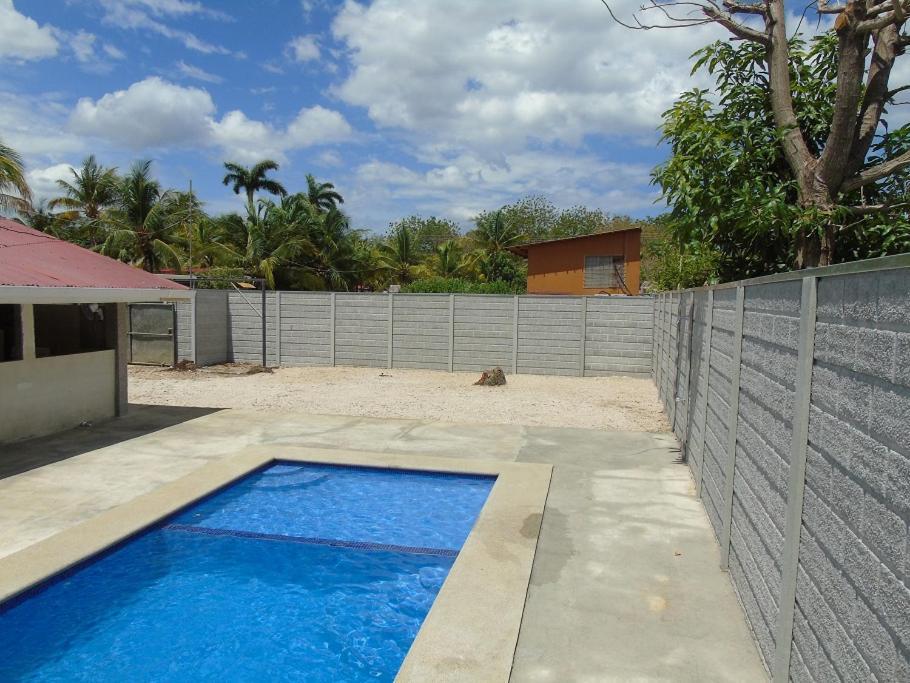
(625, 583)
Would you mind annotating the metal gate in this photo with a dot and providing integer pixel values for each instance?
(153, 338)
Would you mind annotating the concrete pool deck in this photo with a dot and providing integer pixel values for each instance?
(625, 583)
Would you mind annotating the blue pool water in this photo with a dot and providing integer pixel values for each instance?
(296, 572)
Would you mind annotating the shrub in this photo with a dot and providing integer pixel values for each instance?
(457, 285)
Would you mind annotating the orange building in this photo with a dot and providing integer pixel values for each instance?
(605, 263)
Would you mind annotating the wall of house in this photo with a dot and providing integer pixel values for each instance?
(556, 335)
(45, 395)
(558, 267)
(791, 400)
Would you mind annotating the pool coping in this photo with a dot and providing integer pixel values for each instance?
(472, 628)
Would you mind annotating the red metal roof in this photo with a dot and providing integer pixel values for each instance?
(32, 258)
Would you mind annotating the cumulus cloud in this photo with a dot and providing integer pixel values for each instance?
(303, 49)
(381, 190)
(22, 38)
(154, 113)
(34, 125)
(43, 181)
(150, 113)
(501, 99)
(317, 125)
(501, 74)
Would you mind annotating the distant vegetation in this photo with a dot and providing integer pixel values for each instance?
(293, 238)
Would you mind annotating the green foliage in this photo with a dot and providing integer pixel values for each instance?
(220, 277)
(15, 194)
(729, 188)
(457, 285)
(427, 233)
(669, 267)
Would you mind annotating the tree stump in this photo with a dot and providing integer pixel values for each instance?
(494, 377)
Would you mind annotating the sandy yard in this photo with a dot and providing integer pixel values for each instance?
(608, 403)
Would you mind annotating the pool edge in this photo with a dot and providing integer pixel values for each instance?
(472, 628)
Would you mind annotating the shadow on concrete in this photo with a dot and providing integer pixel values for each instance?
(23, 456)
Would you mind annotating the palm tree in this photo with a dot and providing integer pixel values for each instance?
(398, 255)
(447, 260)
(15, 194)
(93, 189)
(322, 195)
(494, 235)
(253, 179)
(141, 229)
(276, 237)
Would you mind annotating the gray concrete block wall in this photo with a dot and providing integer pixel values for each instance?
(211, 327)
(549, 335)
(850, 558)
(555, 335)
(764, 433)
(185, 331)
(245, 326)
(362, 330)
(854, 558)
(421, 331)
(618, 335)
(306, 328)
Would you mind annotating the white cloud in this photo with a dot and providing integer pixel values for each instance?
(113, 52)
(317, 125)
(150, 113)
(43, 181)
(83, 45)
(134, 14)
(492, 76)
(154, 113)
(303, 49)
(22, 38)
(380, 190)
(196, 73)
(34, 125)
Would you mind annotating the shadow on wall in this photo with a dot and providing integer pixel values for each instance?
(23, 456)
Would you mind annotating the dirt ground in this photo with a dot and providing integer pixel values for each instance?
(608, 403)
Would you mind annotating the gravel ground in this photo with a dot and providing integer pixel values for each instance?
(608, 403)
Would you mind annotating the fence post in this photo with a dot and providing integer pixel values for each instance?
(515, 337)
(391, 327)
(278, 328)
(584, 334)
(193, 328)
(264, 314)
(709, 330)
(798, 447)
(451, 333)
(732, 424)
(332, 329)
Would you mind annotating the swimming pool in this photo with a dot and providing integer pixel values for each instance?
(297, 571)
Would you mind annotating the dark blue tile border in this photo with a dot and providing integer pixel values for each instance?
(334, 542)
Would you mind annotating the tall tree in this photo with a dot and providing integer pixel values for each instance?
(399, 256)
(140, 230)
(15, 194)
(834, 179)
(92, 189)
(253, 179)
(322, 195)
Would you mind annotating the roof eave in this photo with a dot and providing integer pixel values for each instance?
(16, 294)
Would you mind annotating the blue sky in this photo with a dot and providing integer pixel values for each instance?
(408, 106)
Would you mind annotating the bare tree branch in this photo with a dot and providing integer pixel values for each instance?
(868, 209)
(877, 172)
(744, 8)
(876, 96)
(736, 28)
